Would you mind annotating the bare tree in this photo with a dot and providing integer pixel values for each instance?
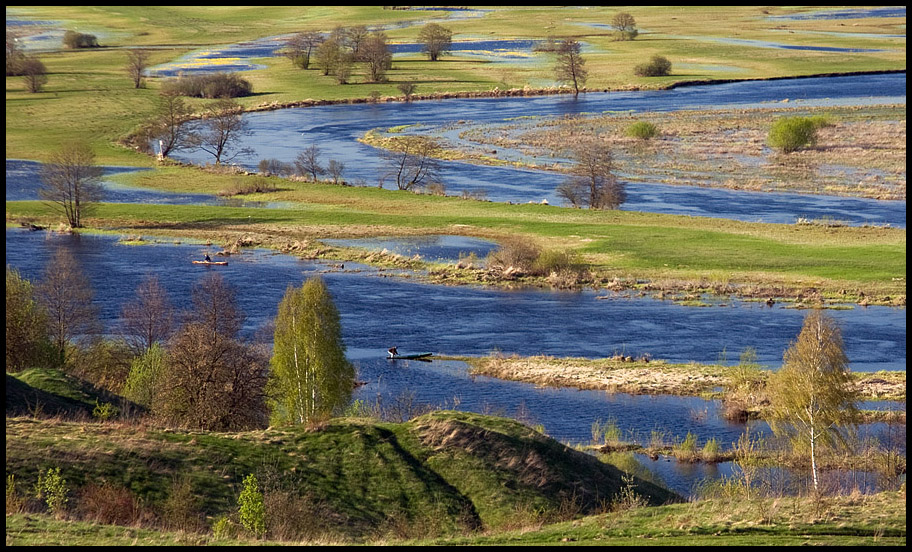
(137, 62)
(408, 89)
(375, 52)
(215, 306)
(222, 130)
(212, 380)
(334, 169)
(171, 128)
(14, 53)
(624, 26)
(301, 46)
(435, 40)
(354, 38)
(592, 181)
(33, 72)
(66, 295)
(570, 64)
(329, 55)
(308, 163)
(149, 319)
(70, 181)
(412, 161)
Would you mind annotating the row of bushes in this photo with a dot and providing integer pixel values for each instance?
(209, 85)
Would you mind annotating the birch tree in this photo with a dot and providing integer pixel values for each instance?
(310, 376)
(811, 396)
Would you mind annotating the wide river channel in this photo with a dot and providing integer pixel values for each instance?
(380, 308)
(335, 129)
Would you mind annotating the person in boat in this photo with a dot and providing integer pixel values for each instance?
(207, 259)
(392, 352)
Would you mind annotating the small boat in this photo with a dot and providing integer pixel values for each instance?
(418, 356)
(211, 262)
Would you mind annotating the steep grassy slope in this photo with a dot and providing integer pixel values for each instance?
(51, 392)
(441, 474)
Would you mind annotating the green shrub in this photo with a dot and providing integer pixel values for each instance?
(657, 66)
(711, 451)
(686, 450)
(104, 411)
(52, 489)
(15, 503)
(145, 374)
(790, 134)
(251, 508)
(73, 40)
(642, 130)
(224, 528)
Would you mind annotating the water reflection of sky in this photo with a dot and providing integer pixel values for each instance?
(473, 320)
(847, 13)
(23, 181)
(377, 313)
(444, 249)
(283, 134)
(768, 44)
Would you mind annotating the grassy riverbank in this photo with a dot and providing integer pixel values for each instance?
(89, 95)
(676, 254)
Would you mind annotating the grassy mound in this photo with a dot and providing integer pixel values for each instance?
(446, 473)
(52, 392)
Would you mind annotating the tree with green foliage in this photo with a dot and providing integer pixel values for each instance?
(436, 40)
(310, 376)
(624, 26)
(26, 324)
(657, 66)
(71, 181)
(812, 400)
(145, 375)
(569, 66)
(790, 134)
(251, 508)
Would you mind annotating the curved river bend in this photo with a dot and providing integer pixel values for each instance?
(335, 129)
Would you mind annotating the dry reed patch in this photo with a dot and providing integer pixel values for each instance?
(616, 375)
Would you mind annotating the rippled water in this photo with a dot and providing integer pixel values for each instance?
(283, 134)
(379, 311)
